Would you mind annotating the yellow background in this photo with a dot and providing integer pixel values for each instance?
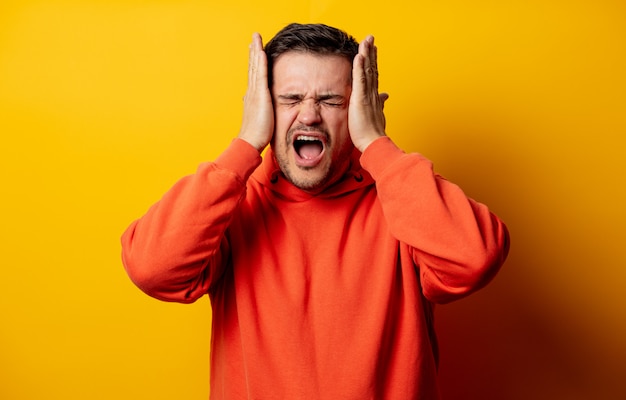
(104, 104)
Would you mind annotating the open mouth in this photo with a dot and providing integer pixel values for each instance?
(309, 149)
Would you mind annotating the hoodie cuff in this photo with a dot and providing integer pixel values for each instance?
(379, 155)
(240, 157)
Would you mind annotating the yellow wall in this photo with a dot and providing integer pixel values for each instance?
(104, 104)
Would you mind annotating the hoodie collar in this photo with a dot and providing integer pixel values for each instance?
(270, 176)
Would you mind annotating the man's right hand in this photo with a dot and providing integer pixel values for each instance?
(257, 126)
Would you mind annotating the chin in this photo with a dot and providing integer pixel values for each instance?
(313, 179)
(307, 182)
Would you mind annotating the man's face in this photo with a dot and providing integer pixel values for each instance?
(311, 141)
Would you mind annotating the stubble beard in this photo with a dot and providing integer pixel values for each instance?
(307, 184)
(291, 171)
(328, 169)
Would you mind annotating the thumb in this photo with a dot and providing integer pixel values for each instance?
(383, 98)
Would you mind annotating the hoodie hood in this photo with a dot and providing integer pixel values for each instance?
(270, 176)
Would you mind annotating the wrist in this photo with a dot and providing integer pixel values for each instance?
(239, 157)
(254, 142)
(365, 143)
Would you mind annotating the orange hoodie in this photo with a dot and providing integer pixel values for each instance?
(325, 296)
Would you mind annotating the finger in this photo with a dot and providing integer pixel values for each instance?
(372, 66)
(256, 46)
(365, 50)
(369, 52)
(257, 40)
(257, 65)
(251, 60)
(358, 77)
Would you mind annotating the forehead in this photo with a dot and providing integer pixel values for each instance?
(304, 72)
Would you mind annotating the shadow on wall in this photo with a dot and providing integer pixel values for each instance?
(530, 334)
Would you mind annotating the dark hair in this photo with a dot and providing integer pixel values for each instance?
(310, 38)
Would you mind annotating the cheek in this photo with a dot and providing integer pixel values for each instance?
(282, 123)
(283, 119)
(337, 122)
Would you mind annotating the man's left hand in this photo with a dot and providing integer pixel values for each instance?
(366, 120)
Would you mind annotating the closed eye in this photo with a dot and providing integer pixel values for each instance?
(332, 103)
(332, 100)
(289, 100)
(326, 100)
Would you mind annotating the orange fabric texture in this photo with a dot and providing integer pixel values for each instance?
(317, 296)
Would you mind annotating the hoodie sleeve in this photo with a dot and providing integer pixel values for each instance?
(457, 243)
(178, 248)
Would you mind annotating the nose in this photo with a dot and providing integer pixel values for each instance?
(309, 112)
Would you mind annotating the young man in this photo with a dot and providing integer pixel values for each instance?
(323, 260)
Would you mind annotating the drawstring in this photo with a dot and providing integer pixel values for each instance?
(355, 174)
(274, 176)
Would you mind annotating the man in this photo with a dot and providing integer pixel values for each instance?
(322, 264)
